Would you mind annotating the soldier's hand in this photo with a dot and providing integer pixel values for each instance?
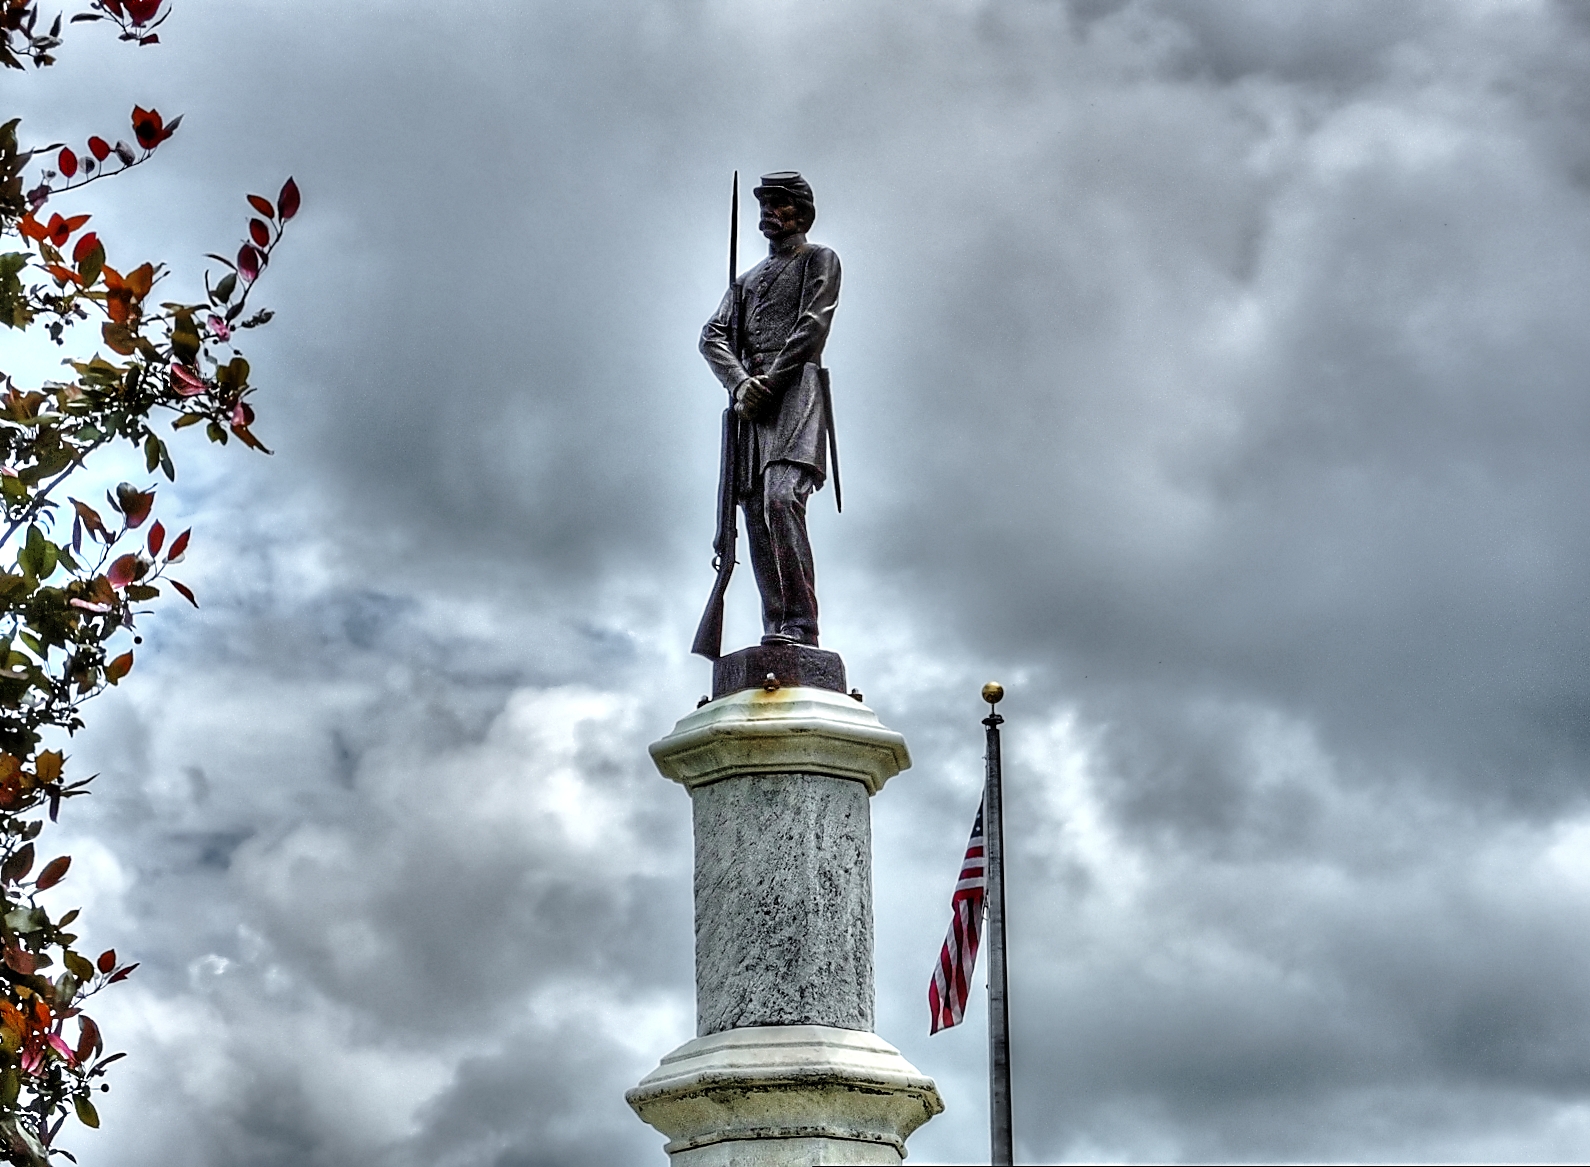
(752, 398)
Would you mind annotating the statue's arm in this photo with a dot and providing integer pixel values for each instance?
(819, 298)
(715, 347)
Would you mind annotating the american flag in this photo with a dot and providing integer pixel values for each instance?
(952, 979)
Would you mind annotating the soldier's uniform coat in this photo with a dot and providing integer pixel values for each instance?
(787, 306)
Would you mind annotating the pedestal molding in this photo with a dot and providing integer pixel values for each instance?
(794, 730)
(773, 1081)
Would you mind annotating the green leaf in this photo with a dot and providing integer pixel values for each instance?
(142, 592)
(31, 558)
(79, 966)
(38, 555)
(14, 311)
(86, 1113)
(26, 920)
(93, 263)
(233, 376)
(66, 987)
(151, 452)
(184, 338)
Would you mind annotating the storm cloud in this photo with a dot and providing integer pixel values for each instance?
(1212, 374)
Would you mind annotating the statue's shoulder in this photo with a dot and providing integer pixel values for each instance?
(821, 256)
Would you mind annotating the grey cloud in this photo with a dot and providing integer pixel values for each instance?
(1211, 373)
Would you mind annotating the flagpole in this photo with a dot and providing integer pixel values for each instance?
(1001, 1145)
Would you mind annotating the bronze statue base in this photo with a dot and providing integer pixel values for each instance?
(791, 665)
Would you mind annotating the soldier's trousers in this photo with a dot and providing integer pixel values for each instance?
(781, 553)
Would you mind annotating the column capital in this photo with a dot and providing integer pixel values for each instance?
(797, 730)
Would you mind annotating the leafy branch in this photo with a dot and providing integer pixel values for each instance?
(78, 576)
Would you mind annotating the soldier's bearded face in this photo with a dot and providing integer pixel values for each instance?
(780, 218)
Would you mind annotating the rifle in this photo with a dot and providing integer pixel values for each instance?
(709, 633)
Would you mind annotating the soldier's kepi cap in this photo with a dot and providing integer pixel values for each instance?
(785, 182)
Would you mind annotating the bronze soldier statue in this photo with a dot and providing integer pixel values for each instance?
(765, 344)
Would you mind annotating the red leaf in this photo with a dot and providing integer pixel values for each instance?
(287, 201)
(185, 382)
(88, 1039)
(123, 571)
(20, 863)
(107, 961)
(99, 148)
(32, 228)
(23, 962)
(179, 546)
(262, 205)
(142, 11)
(186, 594)
(119, 668)
(122, 974)
(157, 537)
(67, 161)
(246, 436)
(147, 126)
(260, 232)
(54, 871)
(90, 517)
(141, 279)
(248, 262)
(134, 503)
(85, 247)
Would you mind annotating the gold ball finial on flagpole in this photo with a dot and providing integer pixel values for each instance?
(993, 692)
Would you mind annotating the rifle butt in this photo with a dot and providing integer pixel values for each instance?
(709, 633)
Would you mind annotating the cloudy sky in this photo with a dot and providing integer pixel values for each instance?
(1213, 374)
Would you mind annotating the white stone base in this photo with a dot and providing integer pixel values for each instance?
(785, 1096)
(787, 1153)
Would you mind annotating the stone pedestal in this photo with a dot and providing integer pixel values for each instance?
(786, 1071)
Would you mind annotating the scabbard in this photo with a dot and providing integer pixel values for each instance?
(833, 440)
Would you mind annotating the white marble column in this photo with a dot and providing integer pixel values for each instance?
(785, 1070)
